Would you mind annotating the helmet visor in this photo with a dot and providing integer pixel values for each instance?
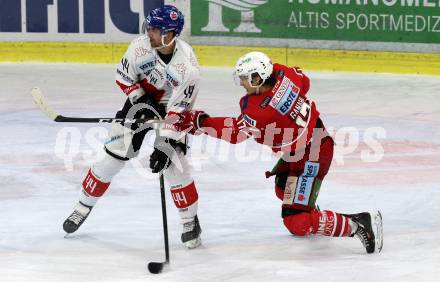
(254, 79)
(145, 27)
(239, 77)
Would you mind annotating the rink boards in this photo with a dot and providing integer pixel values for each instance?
(311, 59)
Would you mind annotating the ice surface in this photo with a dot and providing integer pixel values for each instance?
(243, 235)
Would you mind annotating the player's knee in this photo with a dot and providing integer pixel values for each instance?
(120, 143)
(179, 172)
(298, 224)
(108, 167)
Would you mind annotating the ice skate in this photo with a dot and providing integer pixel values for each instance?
(79, 215)
(191, 232)
(369, 230)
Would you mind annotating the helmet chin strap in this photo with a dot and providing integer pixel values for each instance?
(163, 43)
(257, 87)
(257, 91)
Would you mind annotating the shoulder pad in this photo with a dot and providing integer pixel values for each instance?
(186, 53)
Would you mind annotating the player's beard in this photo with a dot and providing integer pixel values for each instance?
(155, 43)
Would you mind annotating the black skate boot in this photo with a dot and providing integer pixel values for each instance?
(191, 232)
(370, 237)
(79, 215)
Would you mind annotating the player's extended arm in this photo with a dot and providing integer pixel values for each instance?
(226, 128)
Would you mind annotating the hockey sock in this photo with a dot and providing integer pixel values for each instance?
(93, 188)
(98, 179)
(185, 198)
(327, 223)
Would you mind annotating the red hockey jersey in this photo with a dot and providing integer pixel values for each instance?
(281, 117)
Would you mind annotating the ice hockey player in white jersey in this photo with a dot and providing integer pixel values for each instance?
(159, 73)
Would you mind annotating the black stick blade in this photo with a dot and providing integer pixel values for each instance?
(156, 267)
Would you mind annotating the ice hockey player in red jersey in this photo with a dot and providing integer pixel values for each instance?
(158, 73)
(277, 113)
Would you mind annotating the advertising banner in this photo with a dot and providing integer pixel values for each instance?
(73, 20)
(402, 21)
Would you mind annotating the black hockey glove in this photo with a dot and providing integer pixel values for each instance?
(164, 150)
(150, 109)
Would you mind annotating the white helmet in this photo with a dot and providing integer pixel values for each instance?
(253, 62)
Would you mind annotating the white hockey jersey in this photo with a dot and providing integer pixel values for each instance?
(175, 85)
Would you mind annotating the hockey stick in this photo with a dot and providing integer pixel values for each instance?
(156, 267)
(39, 99)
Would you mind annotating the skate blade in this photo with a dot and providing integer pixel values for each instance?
(378, 230)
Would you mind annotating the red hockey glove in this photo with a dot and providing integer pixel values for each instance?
(191, 121)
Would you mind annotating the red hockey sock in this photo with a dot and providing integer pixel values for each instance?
(94, 187)
(325, 223)
(184, 197)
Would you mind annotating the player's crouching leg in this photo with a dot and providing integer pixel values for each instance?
(367, 227)
(325, 223)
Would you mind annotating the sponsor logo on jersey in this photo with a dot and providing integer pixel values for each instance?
(249, 120)
(265, 102)
(280, 74)
(180, 69)
(193, 60)
(124, 76)
(287, 102)
(156, 78)
(280, 91)
(289, 190)
(172, 81)
(285, 96)
(182, 104)
(141, 51)
(311, 169)
(130, 89)
(297, 108)
(146, 66)
(277, 84)
(305, 183)
(125, 64)
(152, 78)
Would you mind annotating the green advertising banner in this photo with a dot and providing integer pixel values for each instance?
(403, 21)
